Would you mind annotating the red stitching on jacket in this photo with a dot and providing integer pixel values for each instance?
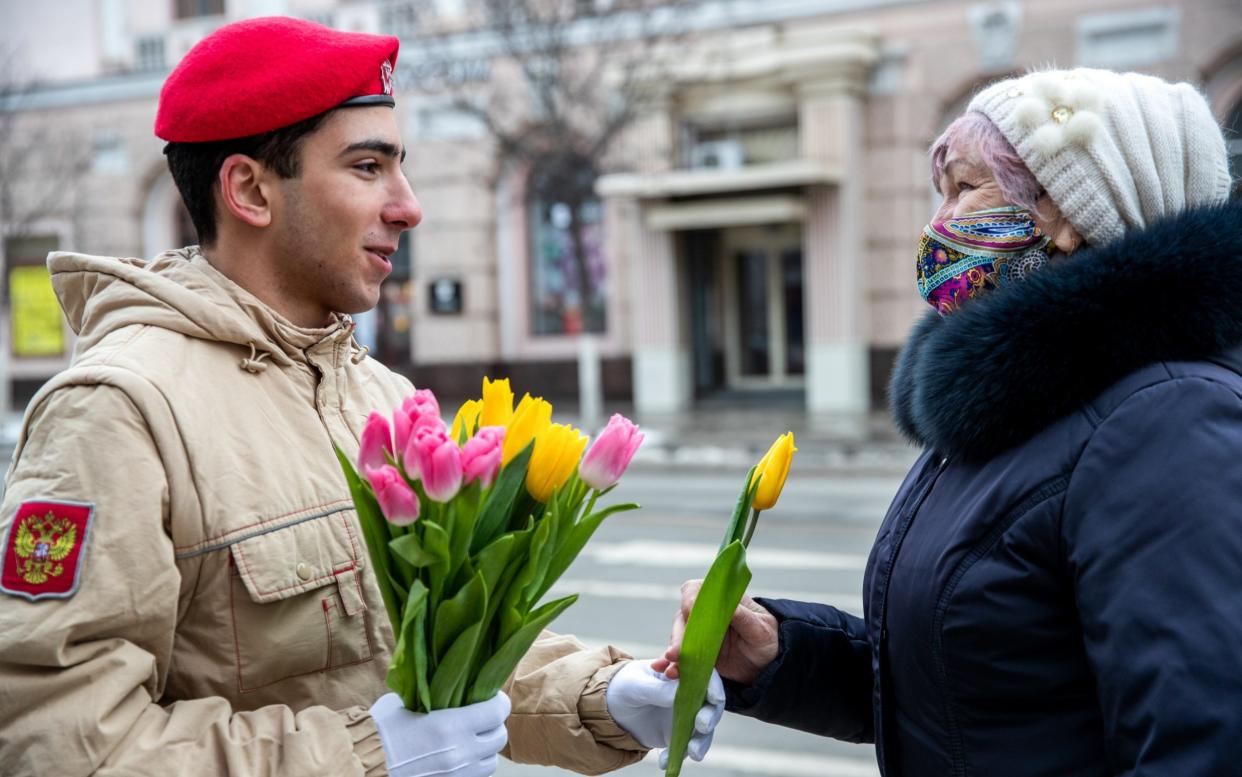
(349, 532)
(327, 620)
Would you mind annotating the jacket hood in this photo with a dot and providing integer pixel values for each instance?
(989, 376)
(178, 290)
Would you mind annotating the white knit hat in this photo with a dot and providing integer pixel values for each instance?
(1114, 151)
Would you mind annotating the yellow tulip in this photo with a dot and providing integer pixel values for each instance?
(497, 403)
(466, 418)
(558, 449)
(532, 416)
(773, 469)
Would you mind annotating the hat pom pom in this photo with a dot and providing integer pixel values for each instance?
(1030, 113)
(1046, 141)
(1084, 126)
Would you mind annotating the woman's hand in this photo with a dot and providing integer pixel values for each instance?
(750, 644)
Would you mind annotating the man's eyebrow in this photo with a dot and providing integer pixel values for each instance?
(378, 146)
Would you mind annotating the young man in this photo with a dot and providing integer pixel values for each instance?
(188, 589)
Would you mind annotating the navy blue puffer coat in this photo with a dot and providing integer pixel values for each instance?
(1057, 587)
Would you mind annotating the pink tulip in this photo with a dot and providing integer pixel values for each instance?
(416, 411)
(396, 499)
(438, 461)
(604, 464)
(480, 457)
(375, 442)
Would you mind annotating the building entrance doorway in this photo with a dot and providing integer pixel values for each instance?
(746, 307)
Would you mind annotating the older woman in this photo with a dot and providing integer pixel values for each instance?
(1057, 587)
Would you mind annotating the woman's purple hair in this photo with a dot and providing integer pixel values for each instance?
(1016, 181)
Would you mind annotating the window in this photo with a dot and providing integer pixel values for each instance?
(1127, 39)
(35, 311)
(149, 53)
(733, 147)
(567, 252)
(190, 9)
(400, 18)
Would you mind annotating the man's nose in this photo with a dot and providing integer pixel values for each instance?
(403, 209)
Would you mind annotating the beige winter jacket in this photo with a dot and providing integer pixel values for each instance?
(226, 620)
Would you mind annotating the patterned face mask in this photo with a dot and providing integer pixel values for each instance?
(963, 257)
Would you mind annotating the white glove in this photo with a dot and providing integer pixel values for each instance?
(640, 700)
(461, 742)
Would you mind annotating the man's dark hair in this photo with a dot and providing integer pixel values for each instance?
(195, 166)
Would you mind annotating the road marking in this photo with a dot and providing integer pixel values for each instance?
(781, 762)
(649, 553)
(638, 650)
(615, 589)
(785, 763)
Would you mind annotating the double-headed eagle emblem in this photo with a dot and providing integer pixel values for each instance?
(41, 544)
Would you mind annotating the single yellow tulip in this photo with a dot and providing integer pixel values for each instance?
(558, 449)
(773, 469)
(466, 418)
(532, 416)
(497, 403)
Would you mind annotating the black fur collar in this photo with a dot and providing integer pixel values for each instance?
(989, 376)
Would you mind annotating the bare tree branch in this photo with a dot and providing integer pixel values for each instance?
(40, 163)
(569, 76)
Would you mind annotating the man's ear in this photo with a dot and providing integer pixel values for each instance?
(244, 191)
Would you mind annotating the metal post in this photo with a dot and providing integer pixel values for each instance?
(590, 384)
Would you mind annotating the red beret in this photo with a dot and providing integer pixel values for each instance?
(262, 74)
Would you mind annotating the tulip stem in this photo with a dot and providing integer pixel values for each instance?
(750, 530)
(591, 504)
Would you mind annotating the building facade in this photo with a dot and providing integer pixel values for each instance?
(752, 230)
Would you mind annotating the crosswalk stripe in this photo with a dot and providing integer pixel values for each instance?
(619, 589)
(785, 763)
(654, 553)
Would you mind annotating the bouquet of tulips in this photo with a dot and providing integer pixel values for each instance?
(468, 527)
(720, 594)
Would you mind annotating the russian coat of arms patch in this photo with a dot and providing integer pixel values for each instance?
(43, 549)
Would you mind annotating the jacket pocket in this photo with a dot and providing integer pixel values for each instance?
(296, 601)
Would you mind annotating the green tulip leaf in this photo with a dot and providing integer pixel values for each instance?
(495, 513)
(492, 560)
(578, 537)
(435, 542)
(709, 620)
(496, 670)
(541, 546)
(461, 515)
(737, 522)
(454, 616)
(404, 676)
(450, 675)
(375, 534)
(409, 548)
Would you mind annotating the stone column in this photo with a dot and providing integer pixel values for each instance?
(662, 368)
(830, 132)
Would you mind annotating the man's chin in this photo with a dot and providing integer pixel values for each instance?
(361, 303)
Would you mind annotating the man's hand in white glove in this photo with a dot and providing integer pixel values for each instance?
(640, 700)
(461, 742)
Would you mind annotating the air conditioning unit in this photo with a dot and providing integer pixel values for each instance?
(724, 154)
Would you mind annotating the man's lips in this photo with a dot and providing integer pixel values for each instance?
(382, 252)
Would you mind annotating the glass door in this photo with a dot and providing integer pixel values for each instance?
(762, 270)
